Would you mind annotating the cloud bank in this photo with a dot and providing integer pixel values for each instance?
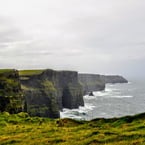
(94, 36)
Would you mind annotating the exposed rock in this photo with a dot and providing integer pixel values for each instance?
(48, 91)
(91, 93)
(10, 91)
(113, 79)
(91, 82)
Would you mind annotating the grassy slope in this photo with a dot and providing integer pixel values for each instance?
(5, 70)
(21, 129)
(37, 72)
(30, 72)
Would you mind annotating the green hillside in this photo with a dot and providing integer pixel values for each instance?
(20, 129)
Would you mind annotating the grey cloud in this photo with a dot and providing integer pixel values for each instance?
(106, 36)
(8, 33)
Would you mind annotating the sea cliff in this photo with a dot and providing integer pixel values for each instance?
(91, 82)
(48, 91)
(113, 79)
(96, 82)
(45, 92)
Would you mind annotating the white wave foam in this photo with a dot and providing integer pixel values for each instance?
(111, 85)
(69, 115)
(108, 90)
(77, 113)
(100, 93)
(114, 89)
(103, 93)
(121, 96)
(89, 97)
(87, 107)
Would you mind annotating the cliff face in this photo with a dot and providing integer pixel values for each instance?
(10, 91)
(95, 82)
(91, 82)
(48, 91)
(70, 90)
(113, 79)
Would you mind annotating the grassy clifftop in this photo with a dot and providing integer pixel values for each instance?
(5, 70)
(21, 129)
(30, 72)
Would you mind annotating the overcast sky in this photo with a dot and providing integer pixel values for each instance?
(95, 36)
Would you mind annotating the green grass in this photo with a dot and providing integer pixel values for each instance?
(36, 72)
(30, 72)
(20, 129)
(5, 70)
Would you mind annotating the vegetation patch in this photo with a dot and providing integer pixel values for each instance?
(30, 72)
(10, 91)
(22, 129)
(5, 70)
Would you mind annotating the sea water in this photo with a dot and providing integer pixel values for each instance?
(115, 101)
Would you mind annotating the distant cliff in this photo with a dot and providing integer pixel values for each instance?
(96, 82)
(48, 91)
(91, 82)
(10, 91)
(113, 79)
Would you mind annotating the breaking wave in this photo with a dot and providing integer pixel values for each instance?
(79, 113)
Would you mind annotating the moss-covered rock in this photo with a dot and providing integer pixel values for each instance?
(10, 91)
(41, 101)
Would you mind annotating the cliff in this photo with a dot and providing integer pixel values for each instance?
(91, 82)
(113, 79)
(96, 82)
(48, 91)
(10, 91)
(44, 92)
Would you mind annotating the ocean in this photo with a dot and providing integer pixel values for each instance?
(115, 101)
